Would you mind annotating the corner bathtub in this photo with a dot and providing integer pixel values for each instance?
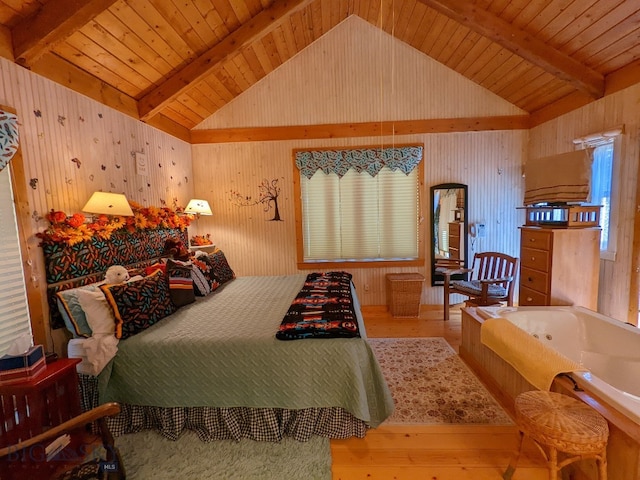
(608, 348)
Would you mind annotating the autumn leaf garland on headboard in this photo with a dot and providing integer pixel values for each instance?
(72, 229)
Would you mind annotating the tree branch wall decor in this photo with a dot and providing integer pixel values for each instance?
(269, 191)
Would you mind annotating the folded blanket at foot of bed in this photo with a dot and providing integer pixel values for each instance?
(322, 309)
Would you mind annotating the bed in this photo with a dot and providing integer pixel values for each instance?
(216, 367)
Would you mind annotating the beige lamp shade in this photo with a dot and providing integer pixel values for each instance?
(198, 207)
(109, 204)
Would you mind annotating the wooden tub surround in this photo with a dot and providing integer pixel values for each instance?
(505, 383)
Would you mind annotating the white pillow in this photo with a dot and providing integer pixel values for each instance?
(99, 315)
(98, 312)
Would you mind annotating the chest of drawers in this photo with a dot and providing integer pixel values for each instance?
(559, 266)
(455, 240)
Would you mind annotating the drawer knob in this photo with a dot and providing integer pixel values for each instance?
(533, 259)
(532, 240)
(529, 299)
(529, 279)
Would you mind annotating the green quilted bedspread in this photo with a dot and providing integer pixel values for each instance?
(221, 351)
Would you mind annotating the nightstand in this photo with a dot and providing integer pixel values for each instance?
(40, 403)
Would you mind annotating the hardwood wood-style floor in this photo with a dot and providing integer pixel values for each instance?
(430, 452)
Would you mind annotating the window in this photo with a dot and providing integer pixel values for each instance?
(14, 311)
(603, 180)
(357, 216)
(601, 176)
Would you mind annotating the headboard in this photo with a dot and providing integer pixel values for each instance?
(70, 266)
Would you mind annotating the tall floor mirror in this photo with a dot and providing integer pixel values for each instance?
(449, 239)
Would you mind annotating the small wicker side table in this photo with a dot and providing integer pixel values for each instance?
(559, 423)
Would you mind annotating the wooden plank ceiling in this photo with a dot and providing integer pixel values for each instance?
(173, 63)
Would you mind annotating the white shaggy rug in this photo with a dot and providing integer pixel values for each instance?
(149, 456)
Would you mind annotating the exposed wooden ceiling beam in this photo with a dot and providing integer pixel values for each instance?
(365, 129)
(258, 26)
(60, 71)
(567, 104)
(623, 78)
(167, 125)
(521, 43)
(6, 43)
(614, 82)
(55, 21)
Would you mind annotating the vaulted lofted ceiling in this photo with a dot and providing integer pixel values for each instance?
(173, 63)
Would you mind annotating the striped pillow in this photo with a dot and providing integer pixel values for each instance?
(180, 282)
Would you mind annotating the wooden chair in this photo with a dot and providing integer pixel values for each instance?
(81, 458)
(492, 280)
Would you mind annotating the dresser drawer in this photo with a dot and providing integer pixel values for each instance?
(530, 297)
(536, 239)
(533, 258)
(534, 279)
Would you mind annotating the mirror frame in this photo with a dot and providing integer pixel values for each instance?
(437, 279)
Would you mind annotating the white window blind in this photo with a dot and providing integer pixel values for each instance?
(14, 311)
(359, 217)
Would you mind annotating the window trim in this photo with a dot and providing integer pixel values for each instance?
(595, 140)
(614, 215)
(324, 265)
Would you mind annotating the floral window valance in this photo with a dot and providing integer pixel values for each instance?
(8, 137)
(371, 160)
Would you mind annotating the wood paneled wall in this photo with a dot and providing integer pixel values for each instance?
(73, 146)
(488, 162)
(374, 78)
(556, 136)
(358, 73)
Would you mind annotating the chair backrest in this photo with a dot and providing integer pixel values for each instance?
(488, 265)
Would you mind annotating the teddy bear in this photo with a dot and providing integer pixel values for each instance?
(174, 248)
(116, 274)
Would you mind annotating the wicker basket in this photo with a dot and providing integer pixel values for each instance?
(403, 294)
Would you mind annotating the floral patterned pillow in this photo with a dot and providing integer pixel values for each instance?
(138, 305)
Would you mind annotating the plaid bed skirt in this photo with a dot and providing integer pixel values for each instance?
(211, 423)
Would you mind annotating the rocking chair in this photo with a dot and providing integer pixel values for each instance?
(88, 455)
(492, 281)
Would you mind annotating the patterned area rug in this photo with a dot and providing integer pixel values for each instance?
(430, 384)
